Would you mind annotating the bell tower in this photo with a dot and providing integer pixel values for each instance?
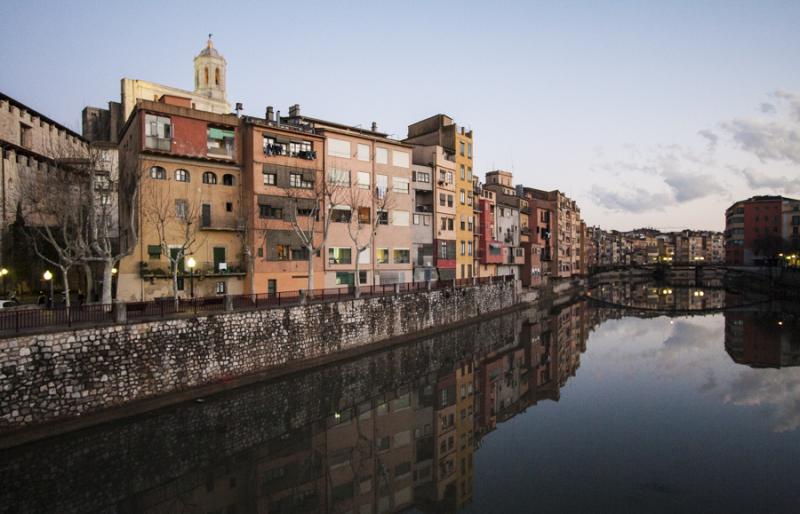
(209, 73)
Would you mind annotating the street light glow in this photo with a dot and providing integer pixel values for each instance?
(3, 272)
(191, 263)
(48, 275)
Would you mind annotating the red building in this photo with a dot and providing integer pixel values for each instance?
(760, 228)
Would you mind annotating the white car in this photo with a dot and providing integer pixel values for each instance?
(5, 304)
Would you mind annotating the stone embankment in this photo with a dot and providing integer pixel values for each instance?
(63, 375)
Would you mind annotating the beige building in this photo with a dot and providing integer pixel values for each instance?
(187, 162)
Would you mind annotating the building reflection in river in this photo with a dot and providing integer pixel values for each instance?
(664, 297)
(413, 445)
(762, 339)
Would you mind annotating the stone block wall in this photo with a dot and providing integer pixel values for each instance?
(61, 375)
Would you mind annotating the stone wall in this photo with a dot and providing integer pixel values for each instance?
(62, 375)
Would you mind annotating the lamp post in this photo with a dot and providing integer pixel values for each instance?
(191, 263)
(114, 272)
(48, 276)
(3, 273)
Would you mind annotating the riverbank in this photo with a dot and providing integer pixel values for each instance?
(68, 380)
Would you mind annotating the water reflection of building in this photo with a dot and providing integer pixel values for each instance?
(379, 435)
(665, 297)
(762, 339)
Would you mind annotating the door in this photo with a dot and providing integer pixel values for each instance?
(272, 287)
(206, 219)
(219, 258)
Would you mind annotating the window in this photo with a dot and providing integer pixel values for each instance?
(302, 149)
(469, 247)
(219, 288)
(338, 148)
(381, 155)
(400, 159)
(461, 147)
(181, 175)
(363, 179)
(229, 206)
(339, 177)
(297, 180)
(401, 256)
(154, 251)
(220, 142)
(449, 200)
(382, 255)
(463, 225)
(422, 176)
(449, 223)
(270, 179)
(400, 185)
(383, 217)
(209, 178)
(381, 185)
(442, 199)
(181, 209)
(463, 248)
(273, 147)
(340, 214)
(157, 132)
(462, 197)
(463, 174)
(227, 179)
(416, 219)
(363, 215)
(469, 150)
(282, 252)
(270, 212)
(443, 250)
(469, 173)
(158, 173)
(400, 218)
(344, 278)
(362, 152)
(362, 277)
(470, 223)
(444, 223)
(339, 255)
(25, 135)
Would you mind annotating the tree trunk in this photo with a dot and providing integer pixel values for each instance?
(310, 286)
(108, 277)
(251, 273)
(65, 283)
(175, 283)
(88, 278)
(357, 290)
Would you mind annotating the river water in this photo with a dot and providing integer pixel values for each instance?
(583, 407)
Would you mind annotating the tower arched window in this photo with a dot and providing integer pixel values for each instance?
(216, 76)
(206, 75)
(209, 178)
(181, 175)
(158, 173)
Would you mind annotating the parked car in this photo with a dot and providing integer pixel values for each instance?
(5, 304)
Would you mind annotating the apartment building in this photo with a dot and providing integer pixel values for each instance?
(564, 228)
(761, 227)
(490, 250)
(370, 174)
(456, 145)
(423, 223)
(187, 164)
(512, 218)
(283, 167)
(541, 221)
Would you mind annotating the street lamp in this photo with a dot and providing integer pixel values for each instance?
(3, 273)
(48, 276)
(191, 263)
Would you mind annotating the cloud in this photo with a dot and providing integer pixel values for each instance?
(767, 108)
(791, 99)
(772, 140)
(756, 180)
(690, 186)
(711, 137)
(777, 391)
(637, 200)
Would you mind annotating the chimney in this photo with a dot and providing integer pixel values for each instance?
(270, 112)
(294, 110)
(374, 127)
(278, 116)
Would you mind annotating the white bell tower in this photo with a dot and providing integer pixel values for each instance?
(209, 73)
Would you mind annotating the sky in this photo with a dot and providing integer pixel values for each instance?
(657, 114)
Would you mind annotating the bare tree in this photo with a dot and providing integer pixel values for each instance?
(53, 205)
(309, 217)
(368, 210)
(175, 222)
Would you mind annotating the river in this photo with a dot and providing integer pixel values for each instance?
(681, 405)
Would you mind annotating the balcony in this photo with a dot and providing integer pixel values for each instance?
(207, 222)
(424, 208)
(201, 270)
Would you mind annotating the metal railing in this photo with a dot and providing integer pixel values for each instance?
(34, 320)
